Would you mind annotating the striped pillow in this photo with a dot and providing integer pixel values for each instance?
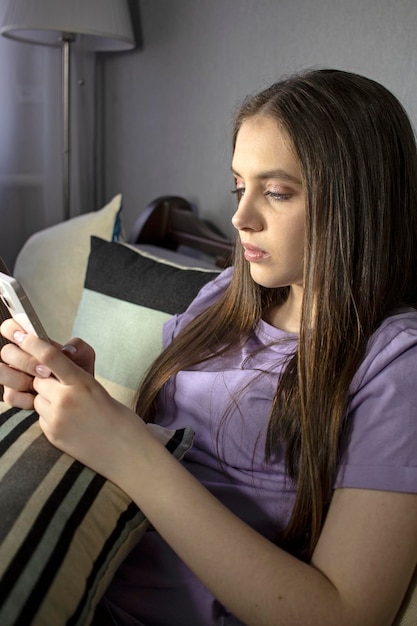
(64, 529)
(128, 295)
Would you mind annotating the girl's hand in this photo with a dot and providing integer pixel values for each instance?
(76, 413)
(19, 368)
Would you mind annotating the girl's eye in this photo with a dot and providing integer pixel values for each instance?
(239, 191)
(279, 197)
(274, 195)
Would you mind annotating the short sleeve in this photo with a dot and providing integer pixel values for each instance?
(379, 446)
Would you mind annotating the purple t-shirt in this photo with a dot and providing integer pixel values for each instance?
(153, 586)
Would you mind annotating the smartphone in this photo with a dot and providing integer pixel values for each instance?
(4, 268)
(16, 301)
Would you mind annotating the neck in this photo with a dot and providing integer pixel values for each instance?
(287, 316)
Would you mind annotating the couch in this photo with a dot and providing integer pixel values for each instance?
(64, 530)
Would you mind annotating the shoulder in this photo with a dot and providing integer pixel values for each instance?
(379, 443)
(392, 348)
(205, 298)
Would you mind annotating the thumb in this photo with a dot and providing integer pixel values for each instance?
(80, 353)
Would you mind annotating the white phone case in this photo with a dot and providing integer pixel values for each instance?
(16, 301)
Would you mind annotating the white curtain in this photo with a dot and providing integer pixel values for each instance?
(31, 196)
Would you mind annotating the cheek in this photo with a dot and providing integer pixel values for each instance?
(297, 236)
(300, 243)
(290, 236)
(290, 253)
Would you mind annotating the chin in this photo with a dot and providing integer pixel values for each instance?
(264, 279)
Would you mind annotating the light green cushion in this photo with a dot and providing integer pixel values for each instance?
(137, 330)
(127, 297)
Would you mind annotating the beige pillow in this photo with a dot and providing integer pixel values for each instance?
(51, 266)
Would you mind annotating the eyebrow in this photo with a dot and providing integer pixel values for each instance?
(274, 174)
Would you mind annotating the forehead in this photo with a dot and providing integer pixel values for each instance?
(262, 142)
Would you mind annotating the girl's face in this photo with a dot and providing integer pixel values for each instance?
(271, 203)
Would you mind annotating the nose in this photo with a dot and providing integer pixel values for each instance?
(247, 216)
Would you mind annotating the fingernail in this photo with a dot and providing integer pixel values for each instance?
(19, 336)
(69, 348)
(43, 371)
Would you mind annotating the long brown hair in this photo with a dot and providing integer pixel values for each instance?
(358, 158)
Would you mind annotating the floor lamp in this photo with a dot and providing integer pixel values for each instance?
(101, 25)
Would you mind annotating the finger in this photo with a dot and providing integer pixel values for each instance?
(80, 353)
(19, 399)
(50, 357)
(8, 329)
(42, 407)
(15, 379)
(13, 355)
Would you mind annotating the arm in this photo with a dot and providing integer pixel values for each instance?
(360, 569)
(359, 572)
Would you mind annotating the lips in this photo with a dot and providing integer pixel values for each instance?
(252, 253)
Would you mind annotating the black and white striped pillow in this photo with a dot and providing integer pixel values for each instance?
(128, 295)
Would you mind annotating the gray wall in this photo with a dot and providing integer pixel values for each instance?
(168, 107)
(31, 151)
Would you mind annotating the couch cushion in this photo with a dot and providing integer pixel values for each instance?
(127, 297)
(51, 265)
(64, 530)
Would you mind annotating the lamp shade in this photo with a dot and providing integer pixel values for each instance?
(104, 25)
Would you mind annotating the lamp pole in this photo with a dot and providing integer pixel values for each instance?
(102, 25)
(67, 39)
